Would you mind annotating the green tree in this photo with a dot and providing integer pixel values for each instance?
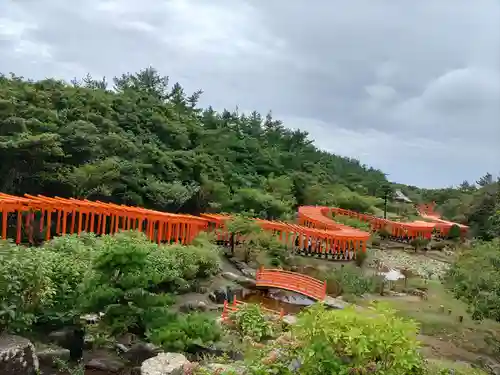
(147, 143)
(475, 278)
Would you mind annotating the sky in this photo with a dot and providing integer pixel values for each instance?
(409, 87)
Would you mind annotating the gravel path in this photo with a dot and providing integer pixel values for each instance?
(419, 264)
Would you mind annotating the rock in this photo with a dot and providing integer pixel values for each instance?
(230, 276)
(202, 306)
(72, 338)
(335, 303)
(165, 364)
(121, 348)
(248, 272)
(193, 306)
(218, 296)
(17, 356)
(104, 363)
(290, 319)
(49, 356)
(246, 282)
(490, 365)
(61, 336)
(127, 339)
(238, 264)
(494, 369)
(140, 352)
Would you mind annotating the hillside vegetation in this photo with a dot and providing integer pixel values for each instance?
(146, 143)
(477, 205)
(141, 141)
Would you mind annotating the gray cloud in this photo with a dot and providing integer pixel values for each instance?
(412, 88)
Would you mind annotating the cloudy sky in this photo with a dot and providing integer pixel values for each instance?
(410, 87)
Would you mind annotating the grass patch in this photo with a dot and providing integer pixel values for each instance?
(438, 317)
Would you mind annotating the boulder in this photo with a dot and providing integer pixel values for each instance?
(105, 363)
(230, 276)
(218, 296)
(248, 272)
(194, 306)
(238, 263)
(49, 356)
(165, 364)
(246, 282)
(290, 319)
(140, 352)
(335, 303)
(17, 356)
(72, 338)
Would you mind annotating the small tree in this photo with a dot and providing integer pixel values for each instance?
(119, 284)
(454, 234)
(250, 322)
(248, 231)
(419, 243)
(344, 342)
(475, 278)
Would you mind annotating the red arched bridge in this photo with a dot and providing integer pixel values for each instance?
(292, 281)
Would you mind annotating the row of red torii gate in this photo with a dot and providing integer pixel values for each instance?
(34, 219)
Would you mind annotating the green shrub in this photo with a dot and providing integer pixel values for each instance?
(351, 280)
(352, 222)
(175, 332)
(250, 322)
(475, 279)
(438, 245)
(122, 275)
(345, 342)
(119, 283)
(361, 257)
(70, 261)
(173, 267)
(419, 243)
(25, 286)
(275, 249)
(355, 202)
(454, 233)
(375, 239)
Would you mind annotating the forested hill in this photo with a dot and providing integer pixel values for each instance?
(140, 141)
(476, 204)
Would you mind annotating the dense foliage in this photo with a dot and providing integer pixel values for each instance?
(129, 279)
(477, 205)
(475, 278)
(344, 342)
(147, 144)
(249, 321)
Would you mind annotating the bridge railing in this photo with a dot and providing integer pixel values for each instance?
(293, 281)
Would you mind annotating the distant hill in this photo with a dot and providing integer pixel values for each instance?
(143, 142)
